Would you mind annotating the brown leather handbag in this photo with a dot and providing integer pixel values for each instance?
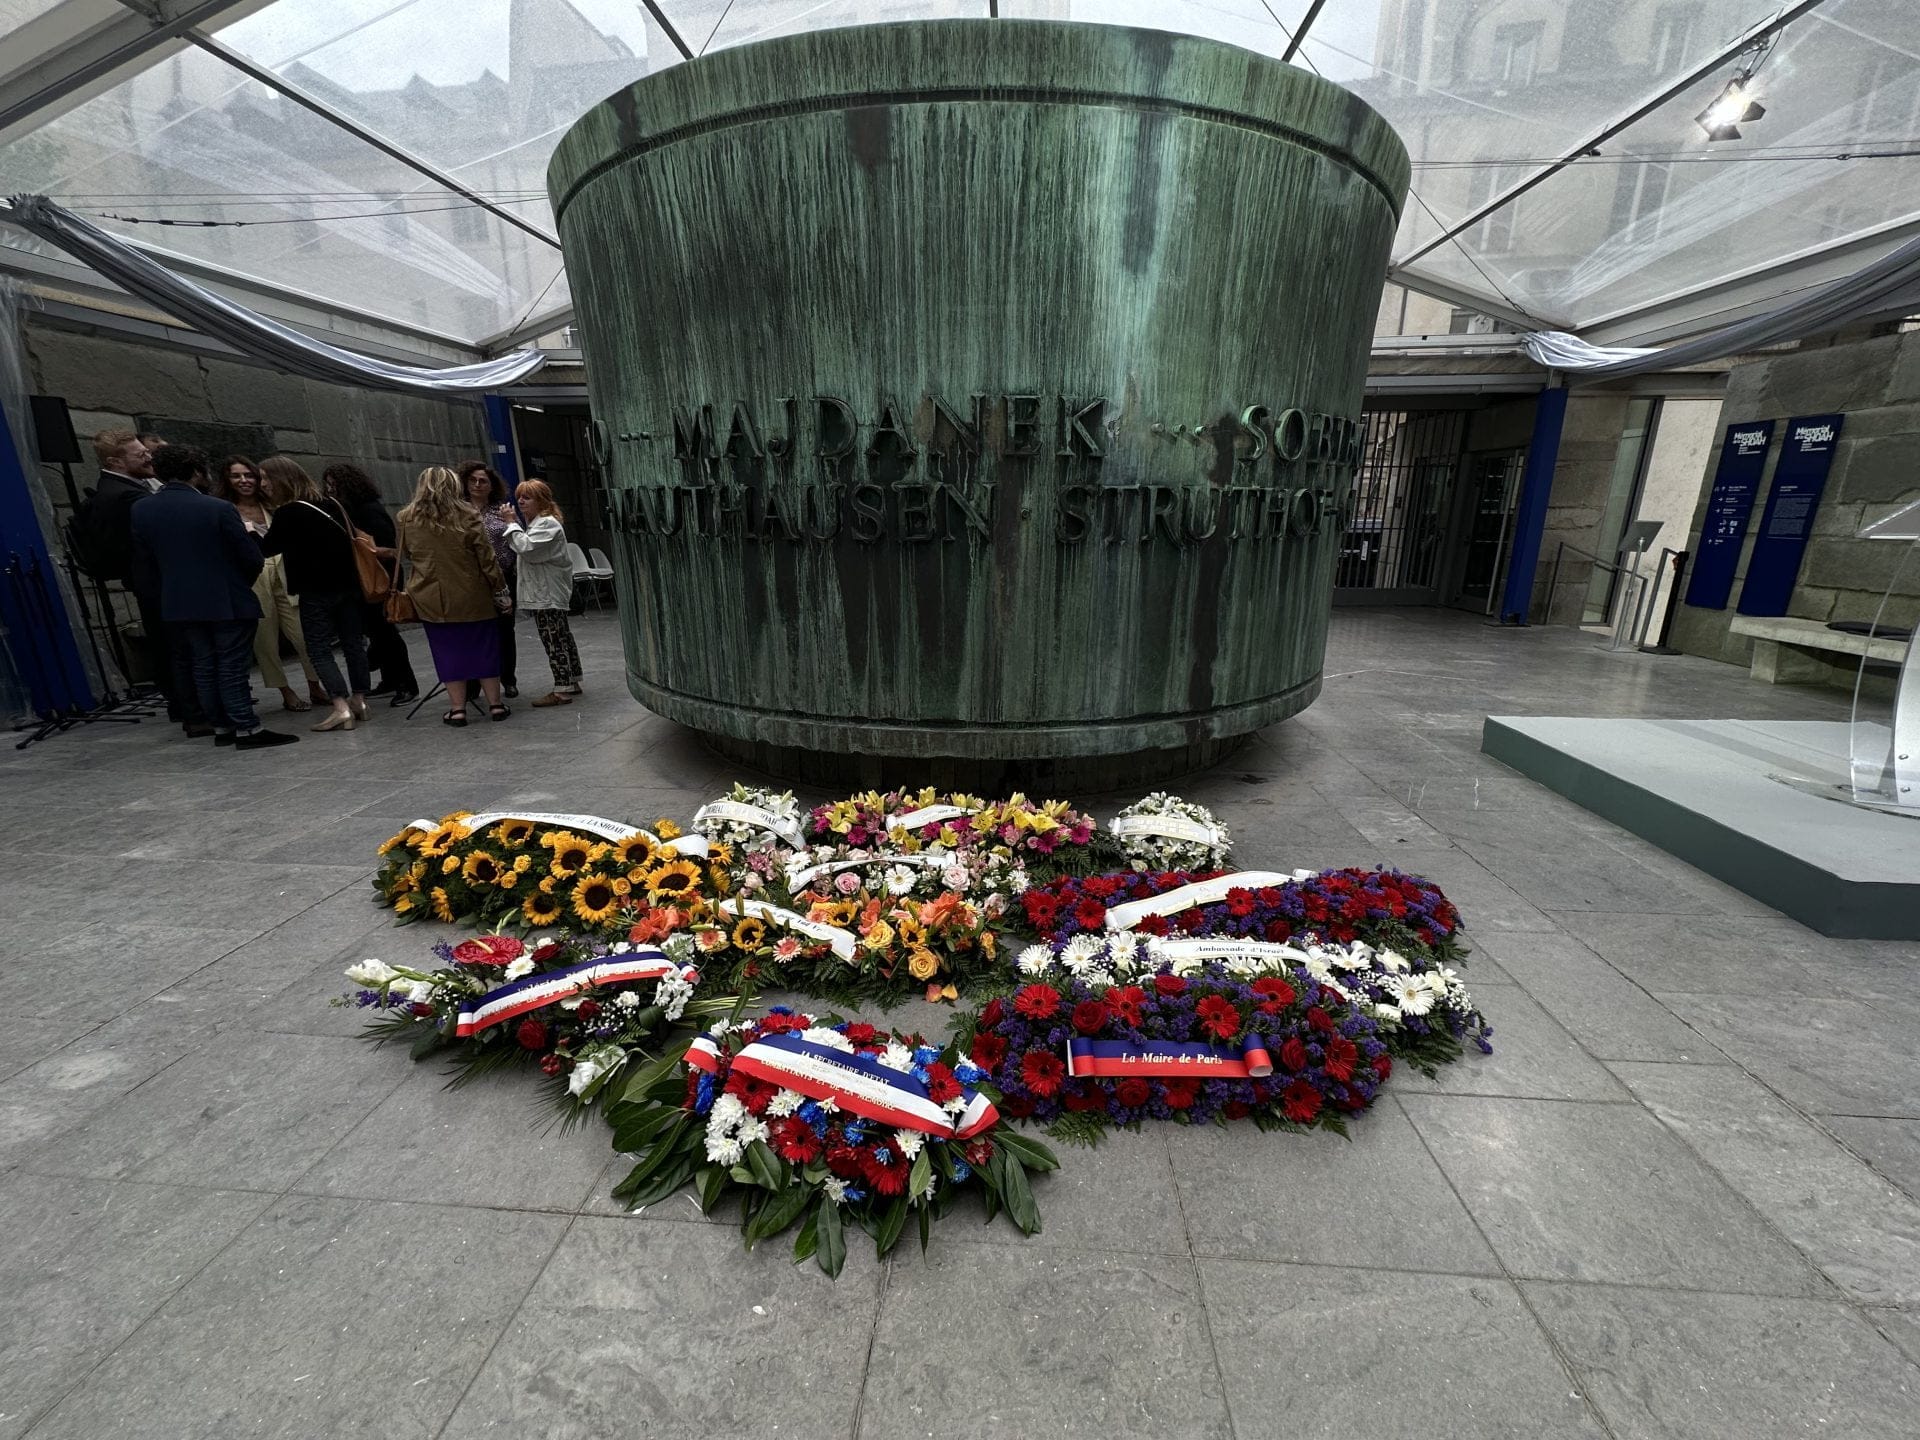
(398, 604)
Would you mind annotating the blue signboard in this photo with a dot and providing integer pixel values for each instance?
(1805, 457)
(1743, 455)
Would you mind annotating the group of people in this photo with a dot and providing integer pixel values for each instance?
(224, 564)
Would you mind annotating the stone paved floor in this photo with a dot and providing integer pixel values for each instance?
(1680, 1199)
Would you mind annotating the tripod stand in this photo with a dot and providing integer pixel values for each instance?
(47, 671)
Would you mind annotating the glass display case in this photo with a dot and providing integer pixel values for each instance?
(1884, 744)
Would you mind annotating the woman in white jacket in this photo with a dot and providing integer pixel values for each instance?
(545, 584)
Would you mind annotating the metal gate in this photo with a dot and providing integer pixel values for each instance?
(1403, 492)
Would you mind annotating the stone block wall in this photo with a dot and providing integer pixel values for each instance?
(1876, 469)
(112, 382)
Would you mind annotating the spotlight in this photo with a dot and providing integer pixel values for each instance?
(1734, 106)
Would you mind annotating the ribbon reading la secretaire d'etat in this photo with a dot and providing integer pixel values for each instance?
(1168, 1060)
(536, 992)
(857, 1084)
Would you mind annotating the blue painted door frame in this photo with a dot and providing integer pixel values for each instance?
(1530, 519)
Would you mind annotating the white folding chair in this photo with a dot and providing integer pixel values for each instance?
(583, 571)
(601, 570)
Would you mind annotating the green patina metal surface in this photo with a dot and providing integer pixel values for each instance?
(977, 388)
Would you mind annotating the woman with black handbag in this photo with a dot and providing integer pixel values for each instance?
(386, 649)
(315, 534)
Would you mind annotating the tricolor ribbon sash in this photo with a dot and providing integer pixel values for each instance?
(744, 814)
(927, 815)
(536, 992)
(1201, 892)
(857, 1084)
(1173, 827)
(800, 879)
(841, 942)
(1168, 1060)
(611, 831)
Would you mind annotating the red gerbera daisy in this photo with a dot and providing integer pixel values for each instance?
(1042, 1072)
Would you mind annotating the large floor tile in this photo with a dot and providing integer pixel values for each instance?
(99, 971)
(1532, 1056)
(55, 1094)
(1316, 1352)
(1377, 1199)
(1862, 1231)
(1891, 1146)
(1741, 955)
(84, 1263)
(25, 1039)
(254, 1114)
(1602, 1193)
(1838, 1057)
(978, 1340)
(644, 1328)
(493, 1142)
(1667, 1366)
(325, 1317)
(1611, 1016)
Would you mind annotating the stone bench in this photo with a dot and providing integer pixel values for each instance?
(1801, 652)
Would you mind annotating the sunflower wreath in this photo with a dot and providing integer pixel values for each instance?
(573, 1006)
(1423, 1010)
(540, 870)
(1283, 1051)
(824, 1125)
(1382, 907)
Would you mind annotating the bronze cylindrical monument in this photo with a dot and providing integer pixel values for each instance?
(977, 388)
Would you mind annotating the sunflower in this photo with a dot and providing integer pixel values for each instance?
(450, 865)
(720, 854)
(750, 933)
(388, 846)
(482, 868)
(442, 907)
(570, 853)
(673, 880)
(636, 849)
(404, 903)
(443, 838)
(594, 898)
(666, 829)
(718, 878)
(513, 833)
(402, 884)
(540, 908)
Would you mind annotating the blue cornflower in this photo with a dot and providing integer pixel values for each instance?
(854, 1194)
(703, 1096)
(961, 1171)
(882, 1155)
(812, 1114)
(925, 1055)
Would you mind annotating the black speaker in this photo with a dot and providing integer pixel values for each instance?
(53, 429)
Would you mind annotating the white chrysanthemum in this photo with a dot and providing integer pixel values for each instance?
(897, 1057)
(372, 974)
(827, 1036)
(672, 994)
(723, 1149)
(836, 1189)
(621, 947)
(627, 1000)
(751, 1129)
(728, 1111)
(955, 1105)
(1034, 960)
(1017, 880)
(909, 1141)
(520, 969)
(785, 1103)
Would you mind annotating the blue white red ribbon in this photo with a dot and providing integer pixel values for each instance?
(536, 992)
(857, 1084)
(1168, 1060)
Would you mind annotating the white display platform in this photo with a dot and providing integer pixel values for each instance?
(1742, 800)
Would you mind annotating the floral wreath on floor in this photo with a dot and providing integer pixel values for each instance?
(751, 820)
(822, 1124)
(574, 1006)
(848, 947)
(1422, 1008)
(534, 871)
(1284, 1051)
(1163, 832)
(1046, 837)
(1382, 907)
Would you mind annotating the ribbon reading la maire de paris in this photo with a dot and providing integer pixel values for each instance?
(536, 992)
(857, 1084)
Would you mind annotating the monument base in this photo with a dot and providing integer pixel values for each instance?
(1075, 775)
(1744, 801)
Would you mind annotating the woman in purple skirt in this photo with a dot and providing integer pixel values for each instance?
(457, 589)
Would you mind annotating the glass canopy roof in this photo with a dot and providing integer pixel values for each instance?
(384, 160)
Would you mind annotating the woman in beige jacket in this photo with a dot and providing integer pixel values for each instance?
(456, 587)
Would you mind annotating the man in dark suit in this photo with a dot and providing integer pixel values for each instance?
(204, 563)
